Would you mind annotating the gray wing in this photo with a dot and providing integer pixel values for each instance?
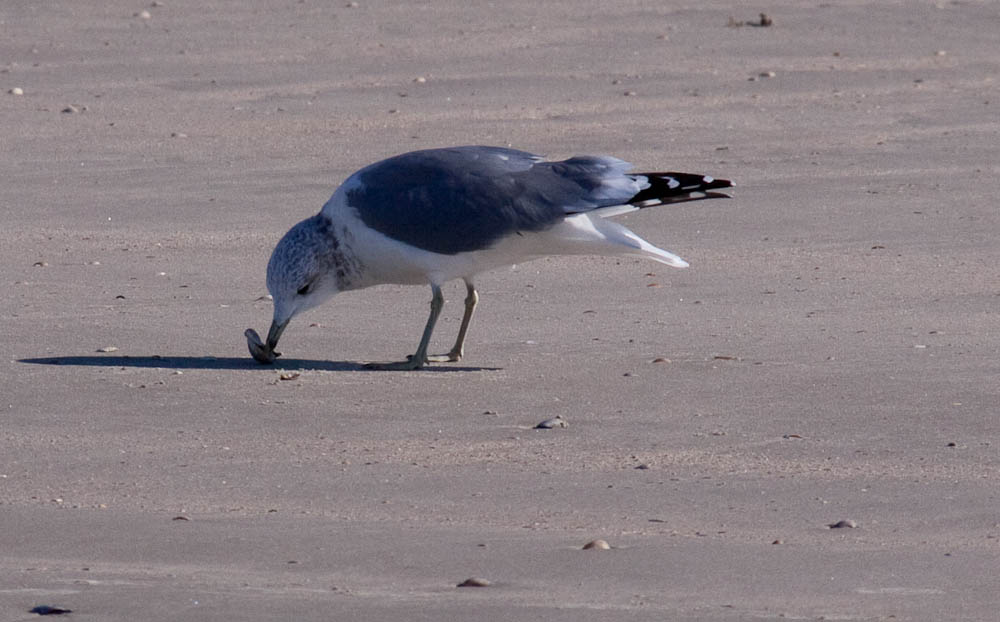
(466, 198)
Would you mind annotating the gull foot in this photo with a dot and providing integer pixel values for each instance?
(451, 357)
(409, 364)
(258, 349)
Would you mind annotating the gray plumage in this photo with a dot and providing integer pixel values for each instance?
(440, 214)
(466, 198)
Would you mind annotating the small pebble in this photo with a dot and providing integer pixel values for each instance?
(660, 359)
(420, 79)
(629, 93)
(767, 74)
(70, 109)
(41, 264)
(778, 542)
(843, 524)
(289, 375)
(45, 610)
(474, 582)
(144, 14)
(16, 91)
(555, 422)
(600, 545)
(108, 349)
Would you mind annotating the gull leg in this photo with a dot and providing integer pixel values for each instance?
(417, 360)
(458, 350)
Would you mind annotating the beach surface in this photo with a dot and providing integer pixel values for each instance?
(831, 357)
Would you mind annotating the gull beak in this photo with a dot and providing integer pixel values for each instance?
(274, 334)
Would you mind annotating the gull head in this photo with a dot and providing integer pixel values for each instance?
(302, 273)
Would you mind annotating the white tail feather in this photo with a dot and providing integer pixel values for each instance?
(581, 234)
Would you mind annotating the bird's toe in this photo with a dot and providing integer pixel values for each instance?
(409, 364)
(451, 357)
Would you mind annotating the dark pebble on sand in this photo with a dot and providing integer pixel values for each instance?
(45, 610)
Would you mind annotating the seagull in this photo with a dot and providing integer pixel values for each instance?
(431, 216)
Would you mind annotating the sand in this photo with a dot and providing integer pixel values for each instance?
(832, 353)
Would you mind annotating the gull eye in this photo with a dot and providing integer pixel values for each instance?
(305, 289)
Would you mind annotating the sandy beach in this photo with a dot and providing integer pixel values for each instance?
(831, 355)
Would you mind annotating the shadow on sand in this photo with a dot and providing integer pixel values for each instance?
(223, 362)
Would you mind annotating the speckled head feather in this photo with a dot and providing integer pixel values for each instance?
(307, 267)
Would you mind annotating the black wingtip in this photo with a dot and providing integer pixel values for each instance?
(674, 187)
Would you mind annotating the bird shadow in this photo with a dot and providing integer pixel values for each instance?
(224, 362)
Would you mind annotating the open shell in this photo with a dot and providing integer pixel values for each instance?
(258, 349)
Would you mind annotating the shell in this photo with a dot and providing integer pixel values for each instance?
(843, 524)
(555, 422)
(258, 349)
(600, 545)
